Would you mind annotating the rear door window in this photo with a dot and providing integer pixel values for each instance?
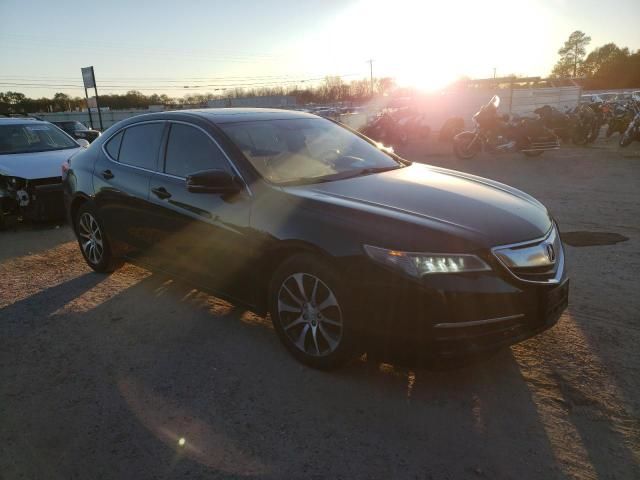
(141, 144)
(190, 150)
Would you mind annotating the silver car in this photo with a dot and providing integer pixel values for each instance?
(31, 154)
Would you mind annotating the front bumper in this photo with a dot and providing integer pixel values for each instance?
(40, 199)
(454, 314)
(47, 203)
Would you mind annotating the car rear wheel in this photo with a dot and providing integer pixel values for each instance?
(93, 241)
(309, 310)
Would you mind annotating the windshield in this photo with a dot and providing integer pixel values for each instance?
(306, 150)
(33, 137)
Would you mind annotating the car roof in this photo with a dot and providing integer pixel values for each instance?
(19, 120)
(231, 115)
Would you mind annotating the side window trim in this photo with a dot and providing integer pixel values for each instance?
(124, 131)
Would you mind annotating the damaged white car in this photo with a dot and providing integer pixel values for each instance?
(31, 153)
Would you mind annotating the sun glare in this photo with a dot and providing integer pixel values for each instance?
(428, 45)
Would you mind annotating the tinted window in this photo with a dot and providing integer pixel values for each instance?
(140, 145)
(113, 146)
(189, 150)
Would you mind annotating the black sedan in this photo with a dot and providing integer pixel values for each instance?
(348, 246)
(78, 130)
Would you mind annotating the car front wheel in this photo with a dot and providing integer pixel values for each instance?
(309, 310)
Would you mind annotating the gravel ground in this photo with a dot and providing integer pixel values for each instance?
(135, 375)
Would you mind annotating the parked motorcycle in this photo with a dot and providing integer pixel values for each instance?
(632, 132)
(495, 134)
(620, 119)
(601, 112)
(562, 124)
(584, 123)
(397, 128)
(385, 129)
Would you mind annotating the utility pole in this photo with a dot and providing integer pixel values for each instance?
(370, 62)
(494, 72)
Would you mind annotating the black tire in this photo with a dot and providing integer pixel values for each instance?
(302, 324)
(460, 146)
(105, 262)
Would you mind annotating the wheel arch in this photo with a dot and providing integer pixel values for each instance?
(272, 259)
(74, 206)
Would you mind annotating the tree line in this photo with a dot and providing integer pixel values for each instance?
(332, 89)
(607, 66)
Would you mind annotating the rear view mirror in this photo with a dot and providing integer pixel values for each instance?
(212, 181)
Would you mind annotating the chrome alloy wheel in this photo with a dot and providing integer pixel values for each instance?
(309, 314)
(91, 238)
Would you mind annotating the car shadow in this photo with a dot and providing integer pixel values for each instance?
(161, 380)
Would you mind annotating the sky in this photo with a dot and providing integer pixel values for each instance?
(164, 46)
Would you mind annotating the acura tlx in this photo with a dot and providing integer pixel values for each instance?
(346, 245)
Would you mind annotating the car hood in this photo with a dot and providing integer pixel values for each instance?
(484, 211)
(35, 165)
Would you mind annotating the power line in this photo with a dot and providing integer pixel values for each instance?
(215, 86)
(110, 79)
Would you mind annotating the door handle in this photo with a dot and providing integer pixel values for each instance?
(107, 175)
(161, 193)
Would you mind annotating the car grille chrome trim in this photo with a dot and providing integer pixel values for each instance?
(475, 323)
(534, 261)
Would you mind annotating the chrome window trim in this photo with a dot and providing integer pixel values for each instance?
(104, 150)
(215, 142)
(233, 166)
(559, 258)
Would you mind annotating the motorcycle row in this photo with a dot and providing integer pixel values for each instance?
(584, 123)
(531, 135)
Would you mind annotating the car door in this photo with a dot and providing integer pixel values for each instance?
(121, 181)
(201, 235)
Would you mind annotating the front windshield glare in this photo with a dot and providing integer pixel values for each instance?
(33, 137)
(306, 150)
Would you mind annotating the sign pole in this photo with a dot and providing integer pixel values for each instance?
(86, 95)
(95, 87)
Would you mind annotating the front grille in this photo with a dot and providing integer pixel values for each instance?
(536, 274)
(540, 261)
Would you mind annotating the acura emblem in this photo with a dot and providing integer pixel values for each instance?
(551, 254)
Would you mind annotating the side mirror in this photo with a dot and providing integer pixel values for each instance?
(82, 142)
(213, 181)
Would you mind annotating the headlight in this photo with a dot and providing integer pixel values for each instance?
(420, 264)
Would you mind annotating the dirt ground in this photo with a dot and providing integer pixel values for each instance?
(135, 375)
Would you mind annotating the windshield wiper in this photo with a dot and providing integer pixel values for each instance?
(365, 171)
(339, 176)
